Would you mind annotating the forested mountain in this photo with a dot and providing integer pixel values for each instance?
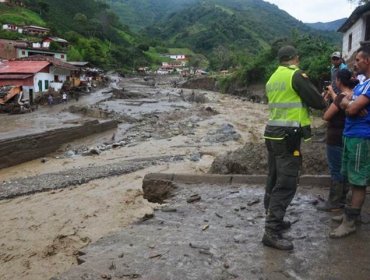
(243, 35)
(94, 32)
(330, 26)
(138, 14)
(222, 30)
(253, 15)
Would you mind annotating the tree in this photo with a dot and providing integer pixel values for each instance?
(43, 7)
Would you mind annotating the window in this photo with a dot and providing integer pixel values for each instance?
(40, 85)
(62, 56)
(367, 29)
(23, 52)
(46, 84)
(350, 42)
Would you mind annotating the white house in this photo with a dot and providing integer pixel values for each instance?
(36, 75)
(356, 31)
(177, 56)
(12, 27)
(37, 49)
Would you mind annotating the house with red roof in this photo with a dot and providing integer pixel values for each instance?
(35, 76)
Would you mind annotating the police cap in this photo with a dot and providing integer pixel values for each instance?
(287, 53)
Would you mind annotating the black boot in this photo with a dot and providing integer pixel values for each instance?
(275, 240)
(334, 202)
(285, 225)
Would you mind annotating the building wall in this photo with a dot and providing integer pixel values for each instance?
(61, 73)
(22, 53)
(7, 49)
(26, 93)
(26, 53)
(48, 78)
(358, 34)
(61, 56)
(45, 78)
(62, 77)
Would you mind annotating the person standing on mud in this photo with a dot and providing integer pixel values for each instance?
(289, 93)
(356, 151)
(50, 100)
(64, 97)
(335, 117)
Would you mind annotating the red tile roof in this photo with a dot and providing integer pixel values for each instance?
(24, 67)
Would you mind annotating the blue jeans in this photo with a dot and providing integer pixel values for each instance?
(334, 157)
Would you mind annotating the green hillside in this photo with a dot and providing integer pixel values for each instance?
(138, 14)
(19, 15)
(265, 19)
(239, 35)
(94, 32)
(252, 24)
(227, 32)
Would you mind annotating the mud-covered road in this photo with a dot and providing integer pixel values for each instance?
(52, 207)
(92, 186)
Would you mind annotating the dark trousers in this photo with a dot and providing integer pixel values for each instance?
(284, 164)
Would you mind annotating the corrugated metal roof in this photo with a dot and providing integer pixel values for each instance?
(57, 39)
(78, 63)
(56, 62)
(31, 67)
(36, 27)
(356, 14)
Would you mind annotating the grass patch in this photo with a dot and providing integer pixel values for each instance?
(19, 16)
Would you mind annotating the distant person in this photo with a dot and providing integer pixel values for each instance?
(337, 64)
(289, 93)
(335, 117)
(64, 97)
(50, 100)
(89, 84)
(356, 152)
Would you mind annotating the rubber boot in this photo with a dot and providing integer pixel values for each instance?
(348, 223)
(275, 240)
(285, 225)
(334, 201)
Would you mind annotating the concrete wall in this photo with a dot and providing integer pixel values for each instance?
(358, 34)
(41, 77)
(21, 149)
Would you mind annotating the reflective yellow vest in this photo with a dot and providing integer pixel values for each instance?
(285, 105)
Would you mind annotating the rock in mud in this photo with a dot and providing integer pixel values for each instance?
(157, 190)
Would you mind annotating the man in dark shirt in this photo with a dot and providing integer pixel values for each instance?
(290, 93)
(337, 64)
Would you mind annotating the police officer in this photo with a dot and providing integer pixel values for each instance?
(289, 93)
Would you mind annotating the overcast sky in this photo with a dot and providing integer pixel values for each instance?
(315, 10)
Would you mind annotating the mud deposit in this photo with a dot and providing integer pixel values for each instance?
(90, 188)
(217, 236)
